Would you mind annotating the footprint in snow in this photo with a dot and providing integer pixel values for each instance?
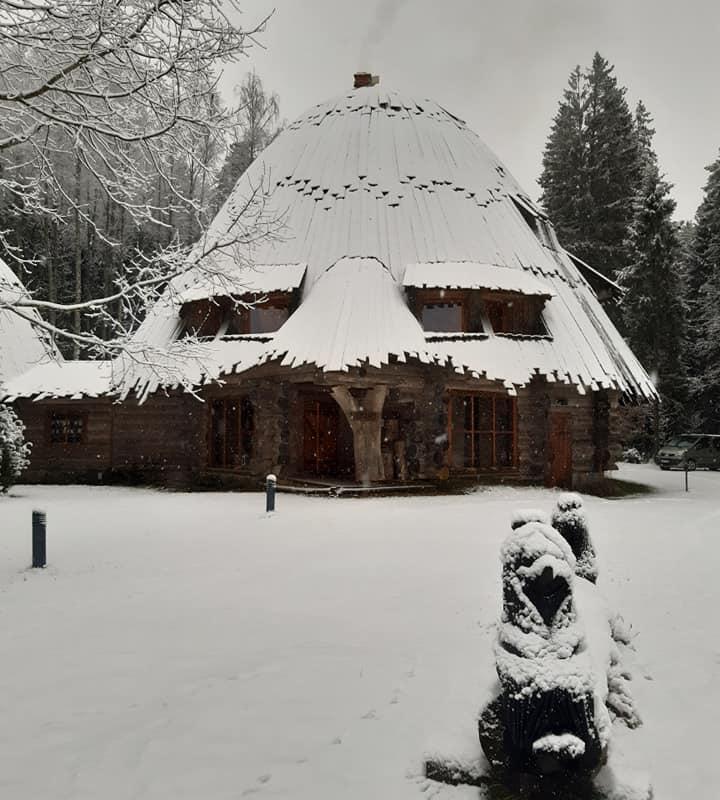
(370, 714)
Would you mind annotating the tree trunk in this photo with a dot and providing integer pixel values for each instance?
(77, 320)
(365, 419)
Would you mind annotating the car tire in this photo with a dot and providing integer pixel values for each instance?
(691, 465)
(664, 469)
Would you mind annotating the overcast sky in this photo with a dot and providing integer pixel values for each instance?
(502, 66)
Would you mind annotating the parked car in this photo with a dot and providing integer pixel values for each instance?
(696, 450)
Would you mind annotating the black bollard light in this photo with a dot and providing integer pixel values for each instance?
(270, 484)
(39, 530)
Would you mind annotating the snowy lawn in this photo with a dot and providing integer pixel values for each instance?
(189, 646)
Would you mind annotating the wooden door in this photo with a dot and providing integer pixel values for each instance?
(320, 437)
(560, 442)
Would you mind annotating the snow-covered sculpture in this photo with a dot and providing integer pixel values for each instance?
(569, 520)
(545, 718)
(562, 661)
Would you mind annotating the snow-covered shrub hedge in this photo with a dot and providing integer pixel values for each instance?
(14, 450)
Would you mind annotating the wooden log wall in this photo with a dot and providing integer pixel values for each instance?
(166, 439)
(81, 462)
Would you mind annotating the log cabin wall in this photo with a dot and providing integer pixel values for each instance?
(166, 440)
(161, 441)
(83, 461)
(426, 432)
(533, 406)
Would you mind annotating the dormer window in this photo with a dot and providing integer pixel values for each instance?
(515, 314)
(475, 311)
(466, 297)
(537, 224)
(439, 316)
(443, 311)
(265, 317)
(225, 316)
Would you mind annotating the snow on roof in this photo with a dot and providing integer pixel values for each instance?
(471, 275)
(376, 190)
(21, 346)
(70, 379)
(354, 313)
(186, 364)
(255, 279)
(136, 372)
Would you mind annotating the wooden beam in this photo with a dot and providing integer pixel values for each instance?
(365, 420)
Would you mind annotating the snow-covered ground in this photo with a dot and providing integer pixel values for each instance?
(189, 646)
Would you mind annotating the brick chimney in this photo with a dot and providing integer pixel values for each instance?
(363, 79)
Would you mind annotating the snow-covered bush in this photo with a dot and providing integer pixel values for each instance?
(14, 450)
(569, 520)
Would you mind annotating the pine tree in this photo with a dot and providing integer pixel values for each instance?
(652, 306)
(703, 298)
(592, 168)
(564, 160)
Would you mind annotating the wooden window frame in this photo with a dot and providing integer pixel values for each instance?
(524, 316)
(442, 297)
(280, 300)
(528, 309)
(494, 432)
(246, 454)
(223, 311)
(66, 412)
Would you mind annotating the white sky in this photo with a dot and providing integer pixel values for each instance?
(502, 66)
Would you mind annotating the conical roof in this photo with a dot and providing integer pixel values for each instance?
(373, 173)
(383, 185)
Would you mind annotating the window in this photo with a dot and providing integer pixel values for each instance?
(442, 317)
(515, 314)
(537, 225)
(202, 318)
(231, 432)
(462, 311)
(482, 431)
(222, 316)
(263, 318)
(67, 428)
(448, 311)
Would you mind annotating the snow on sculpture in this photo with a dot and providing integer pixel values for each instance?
(561, 657)
(546, 713)
(569, 520)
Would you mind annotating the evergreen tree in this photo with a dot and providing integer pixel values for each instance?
(644, 133)
(564, 162)
(703, 299)
(652, 306)
(592, 168)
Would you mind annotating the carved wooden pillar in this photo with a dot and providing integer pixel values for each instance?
(365, 418)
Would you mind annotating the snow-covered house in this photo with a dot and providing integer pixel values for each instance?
(415, 318)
